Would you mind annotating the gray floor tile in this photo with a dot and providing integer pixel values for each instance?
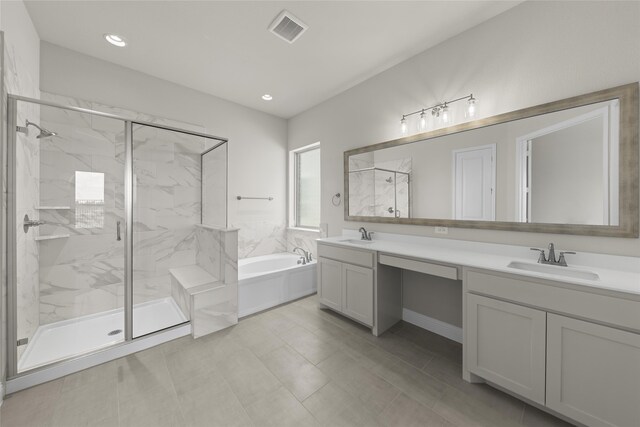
(153, 407)
(374, 392)
(534, 417)
(248, 377)
(294, 365)
(309, 345)
(105, 373)
(86, 405)
(213, 405)
(330, 400)
(465, 410)
(297, 374)
(31, 407)
(406, 412)
(279, 409)
(420, 386)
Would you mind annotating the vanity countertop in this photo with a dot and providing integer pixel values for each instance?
(619, 274)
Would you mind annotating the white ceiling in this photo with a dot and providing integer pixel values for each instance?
(225, 49)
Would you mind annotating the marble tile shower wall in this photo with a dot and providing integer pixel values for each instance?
(80, 274)
(17, 80)
(258, 237)
(305, 240)
(83, 274)
(214, 187)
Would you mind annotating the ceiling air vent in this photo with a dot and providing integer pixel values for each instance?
(287, 27)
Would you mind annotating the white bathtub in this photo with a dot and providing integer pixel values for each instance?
(268, 280)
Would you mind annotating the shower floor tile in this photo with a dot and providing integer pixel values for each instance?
(68, 338)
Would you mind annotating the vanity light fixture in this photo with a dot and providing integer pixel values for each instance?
(115, 40)
(422, 124)
(267, 97)
(441, 111)
(446, 114)
(471, 107)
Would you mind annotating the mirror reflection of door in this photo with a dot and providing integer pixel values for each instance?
(565, 172)
(474, 176)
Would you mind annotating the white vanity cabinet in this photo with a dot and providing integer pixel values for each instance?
(507, 345)
(593, 372)
(346, 282)
(330, 283)
(575, 351)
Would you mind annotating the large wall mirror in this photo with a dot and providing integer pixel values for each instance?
(569, 166)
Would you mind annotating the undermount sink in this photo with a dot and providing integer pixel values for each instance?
(357, 242)
(554, 269)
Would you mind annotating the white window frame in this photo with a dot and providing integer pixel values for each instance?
(293, 187)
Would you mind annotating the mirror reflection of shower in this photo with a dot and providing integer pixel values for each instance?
(44, 133)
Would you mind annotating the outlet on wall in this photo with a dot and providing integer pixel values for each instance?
(442, 230)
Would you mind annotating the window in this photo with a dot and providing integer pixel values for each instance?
(305, 187)
(89, 199)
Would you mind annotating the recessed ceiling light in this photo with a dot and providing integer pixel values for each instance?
(267, 97)
(115, 40)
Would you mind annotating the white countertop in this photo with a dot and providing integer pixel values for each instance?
(616, 273)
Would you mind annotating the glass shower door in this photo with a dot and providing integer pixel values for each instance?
(66, 182)
(167, 208)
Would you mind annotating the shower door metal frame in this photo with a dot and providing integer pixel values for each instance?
(12, 221)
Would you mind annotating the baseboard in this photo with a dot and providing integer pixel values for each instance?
(1, 392)
(436, 326)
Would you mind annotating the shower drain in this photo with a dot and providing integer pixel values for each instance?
(115, 332)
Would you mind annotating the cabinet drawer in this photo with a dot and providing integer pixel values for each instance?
(351, 256)
(440, 270)
(553, 297)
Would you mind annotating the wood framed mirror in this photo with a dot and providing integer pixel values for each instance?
(568, 167)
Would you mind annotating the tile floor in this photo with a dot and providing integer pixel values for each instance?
(295, 365)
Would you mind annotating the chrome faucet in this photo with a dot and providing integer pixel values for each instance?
(365, 235)
(561, 261)
(306, 255)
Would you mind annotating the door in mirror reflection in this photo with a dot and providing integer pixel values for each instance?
(567, 177)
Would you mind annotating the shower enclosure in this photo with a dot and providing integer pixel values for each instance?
(382, 192)
(100, 210)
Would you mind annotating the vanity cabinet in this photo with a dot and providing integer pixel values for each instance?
(593, 372)
(507, 345)
(357, 293)
(330, 283)
(574, 351)
(346, 282)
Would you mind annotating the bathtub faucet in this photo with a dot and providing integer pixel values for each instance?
(305, 254)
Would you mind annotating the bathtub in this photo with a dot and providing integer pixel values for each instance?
(268, 280)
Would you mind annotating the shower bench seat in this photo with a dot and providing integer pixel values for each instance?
(197, 292)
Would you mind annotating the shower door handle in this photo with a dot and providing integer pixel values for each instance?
(118, 231)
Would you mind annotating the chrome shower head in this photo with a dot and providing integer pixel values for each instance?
(44, 133)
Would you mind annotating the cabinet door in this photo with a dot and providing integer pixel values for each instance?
(593, 372)
(330, 283)
(506, 345)
(357, 293)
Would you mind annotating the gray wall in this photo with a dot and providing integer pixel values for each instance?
(534, 53)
